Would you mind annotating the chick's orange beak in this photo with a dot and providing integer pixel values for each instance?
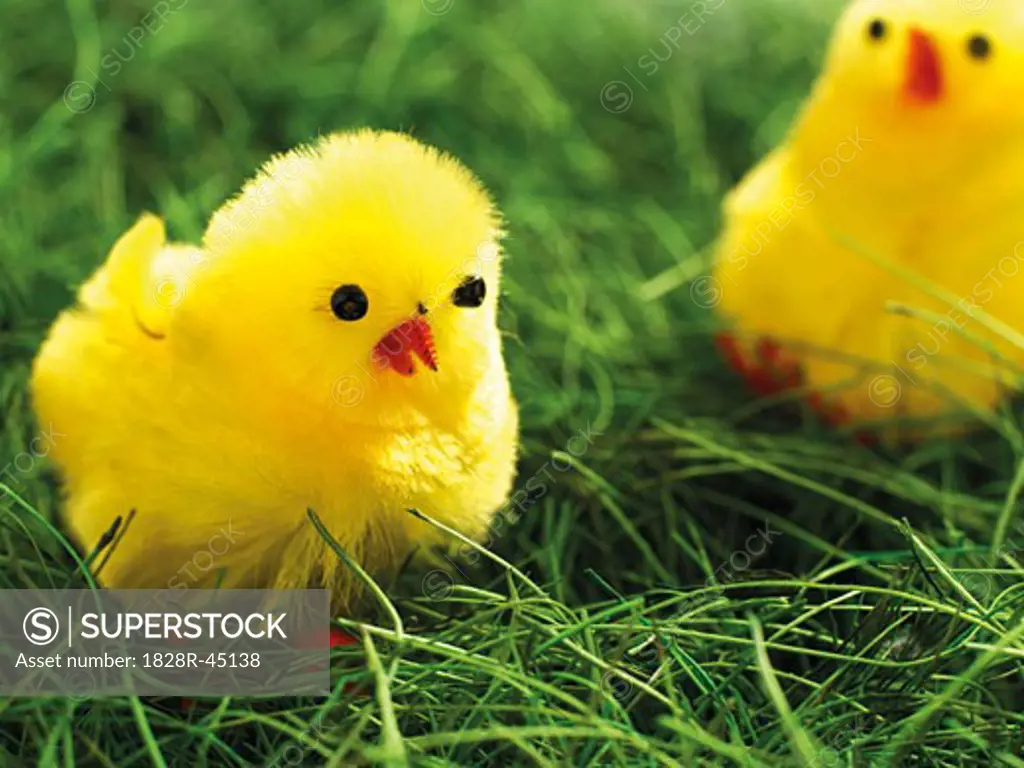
(396, 348)
(924, 83)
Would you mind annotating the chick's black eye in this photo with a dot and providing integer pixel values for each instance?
(876, 29)
(470, 293)
(979, 47)
(349, 302)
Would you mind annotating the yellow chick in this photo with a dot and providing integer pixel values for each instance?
(902, 181)
(332, 346)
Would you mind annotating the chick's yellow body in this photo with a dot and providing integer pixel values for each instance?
(901, 184)
(221, 391)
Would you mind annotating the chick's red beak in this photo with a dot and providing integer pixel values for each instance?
(396, 348)
(924, 83)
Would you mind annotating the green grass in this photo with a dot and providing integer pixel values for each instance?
(713, 582)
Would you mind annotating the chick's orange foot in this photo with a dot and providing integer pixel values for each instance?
(768, 369)
(338, 638)
(332, 637)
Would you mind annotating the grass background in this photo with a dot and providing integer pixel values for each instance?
(713, 582)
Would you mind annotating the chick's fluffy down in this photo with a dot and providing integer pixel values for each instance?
(875, 253)
(215, 392)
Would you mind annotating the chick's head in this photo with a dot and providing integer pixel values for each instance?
(941, 64)
(363, 269)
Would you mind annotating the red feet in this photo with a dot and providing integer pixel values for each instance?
(333, 637)
(771, 371)
(832, 413)
(340, 638)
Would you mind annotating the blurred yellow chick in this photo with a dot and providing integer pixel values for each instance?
(332, 346)
(903, 175)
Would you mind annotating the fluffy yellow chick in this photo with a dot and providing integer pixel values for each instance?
(903, 175)
(332, 346)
